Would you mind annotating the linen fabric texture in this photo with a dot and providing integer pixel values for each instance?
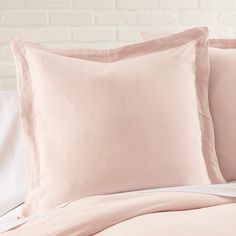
(222, 99)
(107, 121)
(222, 53)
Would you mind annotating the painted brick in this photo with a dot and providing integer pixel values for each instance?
(53, 35)
(47, 3)
(156, 18)
(221, 32)
(7, 34)
(25, 18)
(8, 84)
(7, 70)
(93, 35)
(228, 18)
(217, 4)
(179, 4)
(115, 18)
(198, 18)
(71, 18)
(129, 35)
(10, 3)
(94, 4)
(137, 4)
(5, 52)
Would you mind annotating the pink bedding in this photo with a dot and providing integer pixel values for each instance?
(131, 109)
(138, 213)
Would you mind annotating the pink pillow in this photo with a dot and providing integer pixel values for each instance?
(222, 53)
(222, 96)
(107, 121)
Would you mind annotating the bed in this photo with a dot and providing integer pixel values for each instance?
(193, 210)
(104, 162)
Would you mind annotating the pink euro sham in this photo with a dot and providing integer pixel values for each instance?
(222, 84)
(107, 121)
(222, 98)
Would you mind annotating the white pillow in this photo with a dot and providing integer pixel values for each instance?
(13, 179)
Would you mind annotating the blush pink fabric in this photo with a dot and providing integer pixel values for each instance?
(174, 213)
(106, 121)
(222, 98)
(222, 53)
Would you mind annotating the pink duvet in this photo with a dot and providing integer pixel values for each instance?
(138, 213)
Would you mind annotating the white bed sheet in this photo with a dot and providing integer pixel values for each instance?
(11, 215)
(10, 219)
(13, 154)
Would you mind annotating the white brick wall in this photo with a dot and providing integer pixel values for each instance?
(24, 18)
(103, 23)
(71, 18)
